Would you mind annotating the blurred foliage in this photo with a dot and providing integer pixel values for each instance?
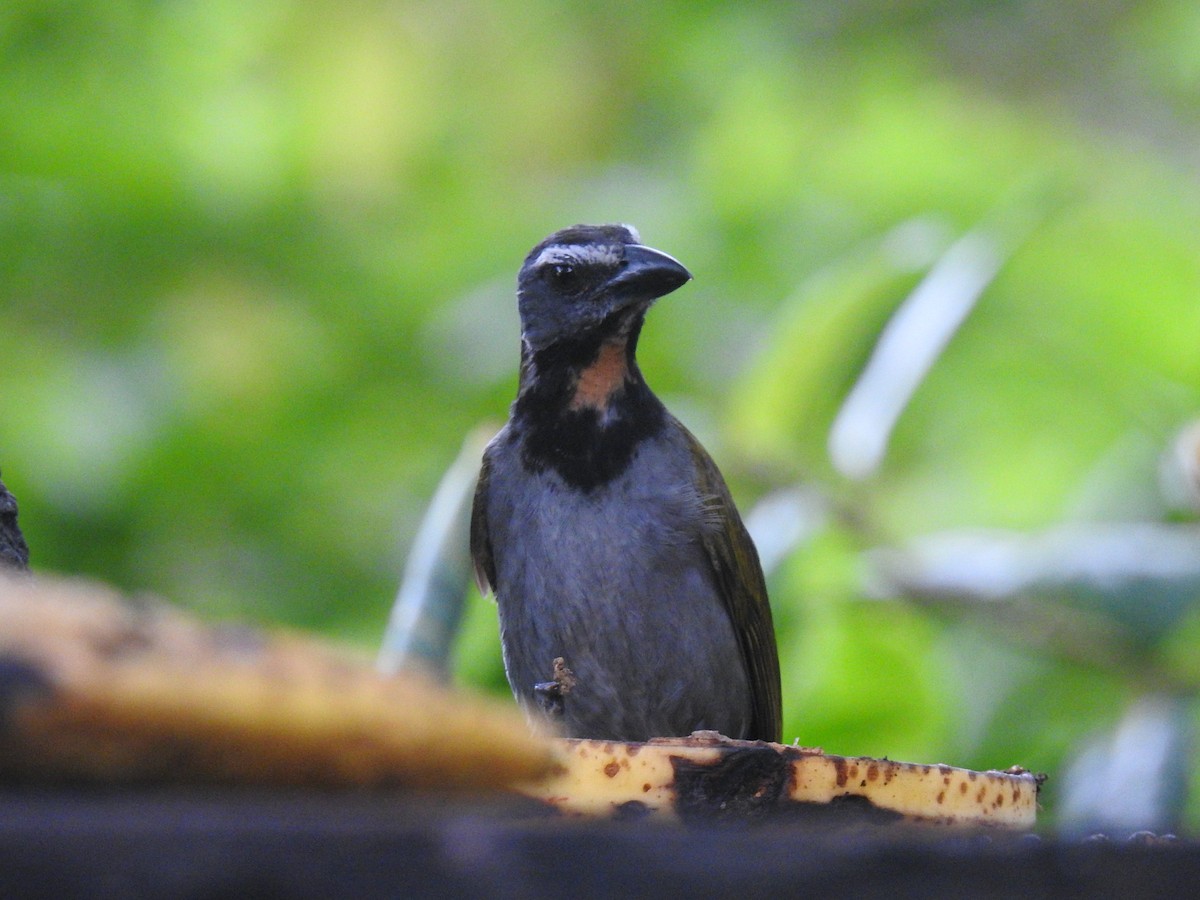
(257, 275)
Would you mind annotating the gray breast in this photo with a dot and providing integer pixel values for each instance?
(616, 582)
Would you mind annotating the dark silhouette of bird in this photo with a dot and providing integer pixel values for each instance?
(14, 552)
(632, 604)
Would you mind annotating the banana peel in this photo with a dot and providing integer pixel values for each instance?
(95, 688)
(707, 775)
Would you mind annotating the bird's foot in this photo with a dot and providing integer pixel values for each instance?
(550, 695)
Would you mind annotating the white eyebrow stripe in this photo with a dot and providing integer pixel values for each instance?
(578, 254)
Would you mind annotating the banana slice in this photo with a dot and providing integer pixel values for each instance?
(707, 775)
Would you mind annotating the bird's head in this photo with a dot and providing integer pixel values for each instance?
(591, 280)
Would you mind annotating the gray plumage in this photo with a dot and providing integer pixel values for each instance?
(616, 581)
(605, 530)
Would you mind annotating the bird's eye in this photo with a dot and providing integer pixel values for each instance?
(562, 274)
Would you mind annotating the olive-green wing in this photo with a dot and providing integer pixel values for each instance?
(481, 542)
(740, 580)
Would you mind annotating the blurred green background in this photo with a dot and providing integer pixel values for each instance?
(256, 282)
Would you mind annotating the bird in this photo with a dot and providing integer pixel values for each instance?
(14, 552)
(631, 601)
